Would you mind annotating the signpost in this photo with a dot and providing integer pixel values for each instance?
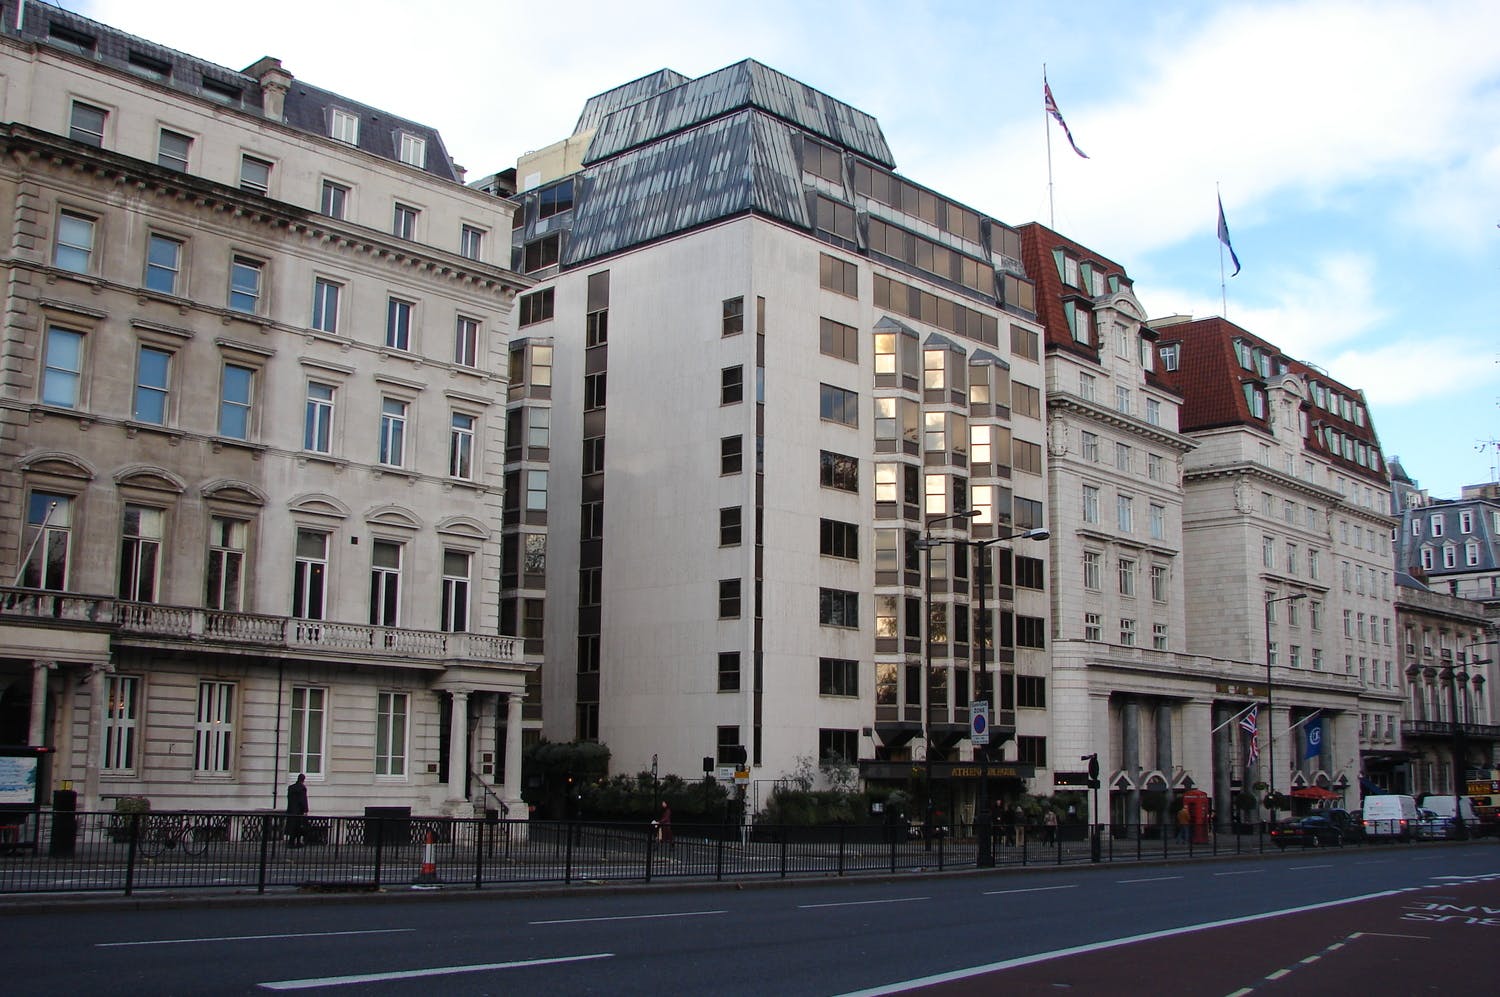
(979, 723)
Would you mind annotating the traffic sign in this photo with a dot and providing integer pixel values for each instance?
(979, 722)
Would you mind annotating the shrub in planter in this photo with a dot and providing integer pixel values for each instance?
(119, 821)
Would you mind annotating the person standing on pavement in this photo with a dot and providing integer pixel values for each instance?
(1050, 825)
(664, 824)
(296, 812)
(1183, 820)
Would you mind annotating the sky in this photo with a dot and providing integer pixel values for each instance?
(1355, 145)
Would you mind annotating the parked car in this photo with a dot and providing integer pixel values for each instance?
(1349, 824)
(1314, 830)
(1430, 825)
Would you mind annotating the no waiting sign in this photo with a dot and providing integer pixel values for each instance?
(979, 722)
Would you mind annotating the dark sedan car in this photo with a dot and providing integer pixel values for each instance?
(1313, 831)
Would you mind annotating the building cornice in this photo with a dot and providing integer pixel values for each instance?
(1067, 402)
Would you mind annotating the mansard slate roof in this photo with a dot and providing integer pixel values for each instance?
(1037, 244)
(306, 107)
(610, 101)
(1209, 377)
(702, 150)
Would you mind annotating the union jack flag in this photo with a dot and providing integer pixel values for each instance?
(1249, 723)
(1051, 104)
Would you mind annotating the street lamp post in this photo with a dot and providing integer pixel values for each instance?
(1270, 733)
(984, 843)
(927, 543)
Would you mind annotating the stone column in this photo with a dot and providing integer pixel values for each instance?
(1164, 709)
(458, 744)
(511, 791)
(40, 672)
(1224, 762)
(94, 746)
(1130, 755)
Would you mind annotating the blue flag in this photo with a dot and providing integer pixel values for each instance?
(1224, 238)
(1314, 738)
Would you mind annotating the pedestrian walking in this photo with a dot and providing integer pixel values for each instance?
(1049, 824)
(1183, 820)
(1020, 826)
(664, 825)
(296, 812)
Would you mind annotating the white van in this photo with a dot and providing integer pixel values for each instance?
(1443, 807)
(1393, 816)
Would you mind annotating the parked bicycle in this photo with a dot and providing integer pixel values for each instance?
(161, 834)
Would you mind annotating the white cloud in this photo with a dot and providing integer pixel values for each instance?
(1418, 369)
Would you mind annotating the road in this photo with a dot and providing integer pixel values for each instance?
(1381, 921)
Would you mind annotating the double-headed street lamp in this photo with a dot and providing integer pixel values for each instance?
(1270, 733)
(982, 687)
(1453, 677)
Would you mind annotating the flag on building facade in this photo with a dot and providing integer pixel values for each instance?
(1314, 738)
(1051, 104)
(1249, 723)
(1224, 238)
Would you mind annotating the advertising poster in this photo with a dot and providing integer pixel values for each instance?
(18, 779)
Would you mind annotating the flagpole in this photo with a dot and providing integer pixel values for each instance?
(1232, 719)
(1223, 290)
(1047, 123)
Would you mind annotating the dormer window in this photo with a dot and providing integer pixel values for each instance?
(224, 93)
(1171, 356)
(344, 126)
(150, 67)
(1255, 399)
(69, 38)
(413, 151)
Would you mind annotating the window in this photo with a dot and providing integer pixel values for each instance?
(838, 471)
(835, 339)
(390, 734)
(1127, 632)
(470, 242)
(245, 284)
(1031, 751)
(536, 307)
(309, 575)
(335, 199)
(404, 221)
(398, 316)
(121, 715)
(1171, 354)
(235, 399)
(1122, 398)
(461, 446)
(455, 606)
(536, 491)
(836, 539)
(1090, 447)
(163, 264)
(734, 317)
(317, 427)
(307, 728)
(255, 175)
(731, 455)
(729, 671)
(1435, 523)
(1127, 575)
(385, 584)
(1028, 514)
(226, 564)
(1123, 460)
(728, 748)
(1026, 400)
(593, 455)
(63, 368)
(140, 553)
(1466, 521)
(172, 150)
(344, 126)
(1153, 411)
(1091, 570)
(325, 312)
(1027, 457)
(731, 385)
(1092, 627)
(213, 735)
(466, 341)
(153, 370)
(555, 200)
(1157, 521)
(1031, 631)
(1125, 513)
(838, 677)
(86, 124)
(542, 253)
(1159, 583)
(1090, 504)
(1024, 342)
(393, 432)
(75, 242)
(729, 598)
(413, 151)
(1159, 636)
(1087, 385)
(839, 276)
(595, 390)
(837, 608)
(730, 526)
(838, 405)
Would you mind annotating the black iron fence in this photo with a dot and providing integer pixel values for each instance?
(64, 852)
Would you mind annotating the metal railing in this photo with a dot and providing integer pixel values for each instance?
(59, 851)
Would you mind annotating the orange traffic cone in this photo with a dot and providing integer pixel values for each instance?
(427, 877)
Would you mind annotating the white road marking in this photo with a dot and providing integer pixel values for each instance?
(630, 917)
(1383, 934)
(252, 938)
(1278, 974)
(1034, 889)
(905, 986)
(414, 974)
(1296, 868)
(1153, 879)
(1241, 872)
(861, 903)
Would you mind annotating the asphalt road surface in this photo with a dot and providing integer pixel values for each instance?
(1376, 921)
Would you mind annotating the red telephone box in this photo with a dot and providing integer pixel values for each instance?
(1198, 806)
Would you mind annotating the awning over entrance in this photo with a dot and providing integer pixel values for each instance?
(1313, 793)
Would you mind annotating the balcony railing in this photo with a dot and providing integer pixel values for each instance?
(189, 624)
(1442, 728)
